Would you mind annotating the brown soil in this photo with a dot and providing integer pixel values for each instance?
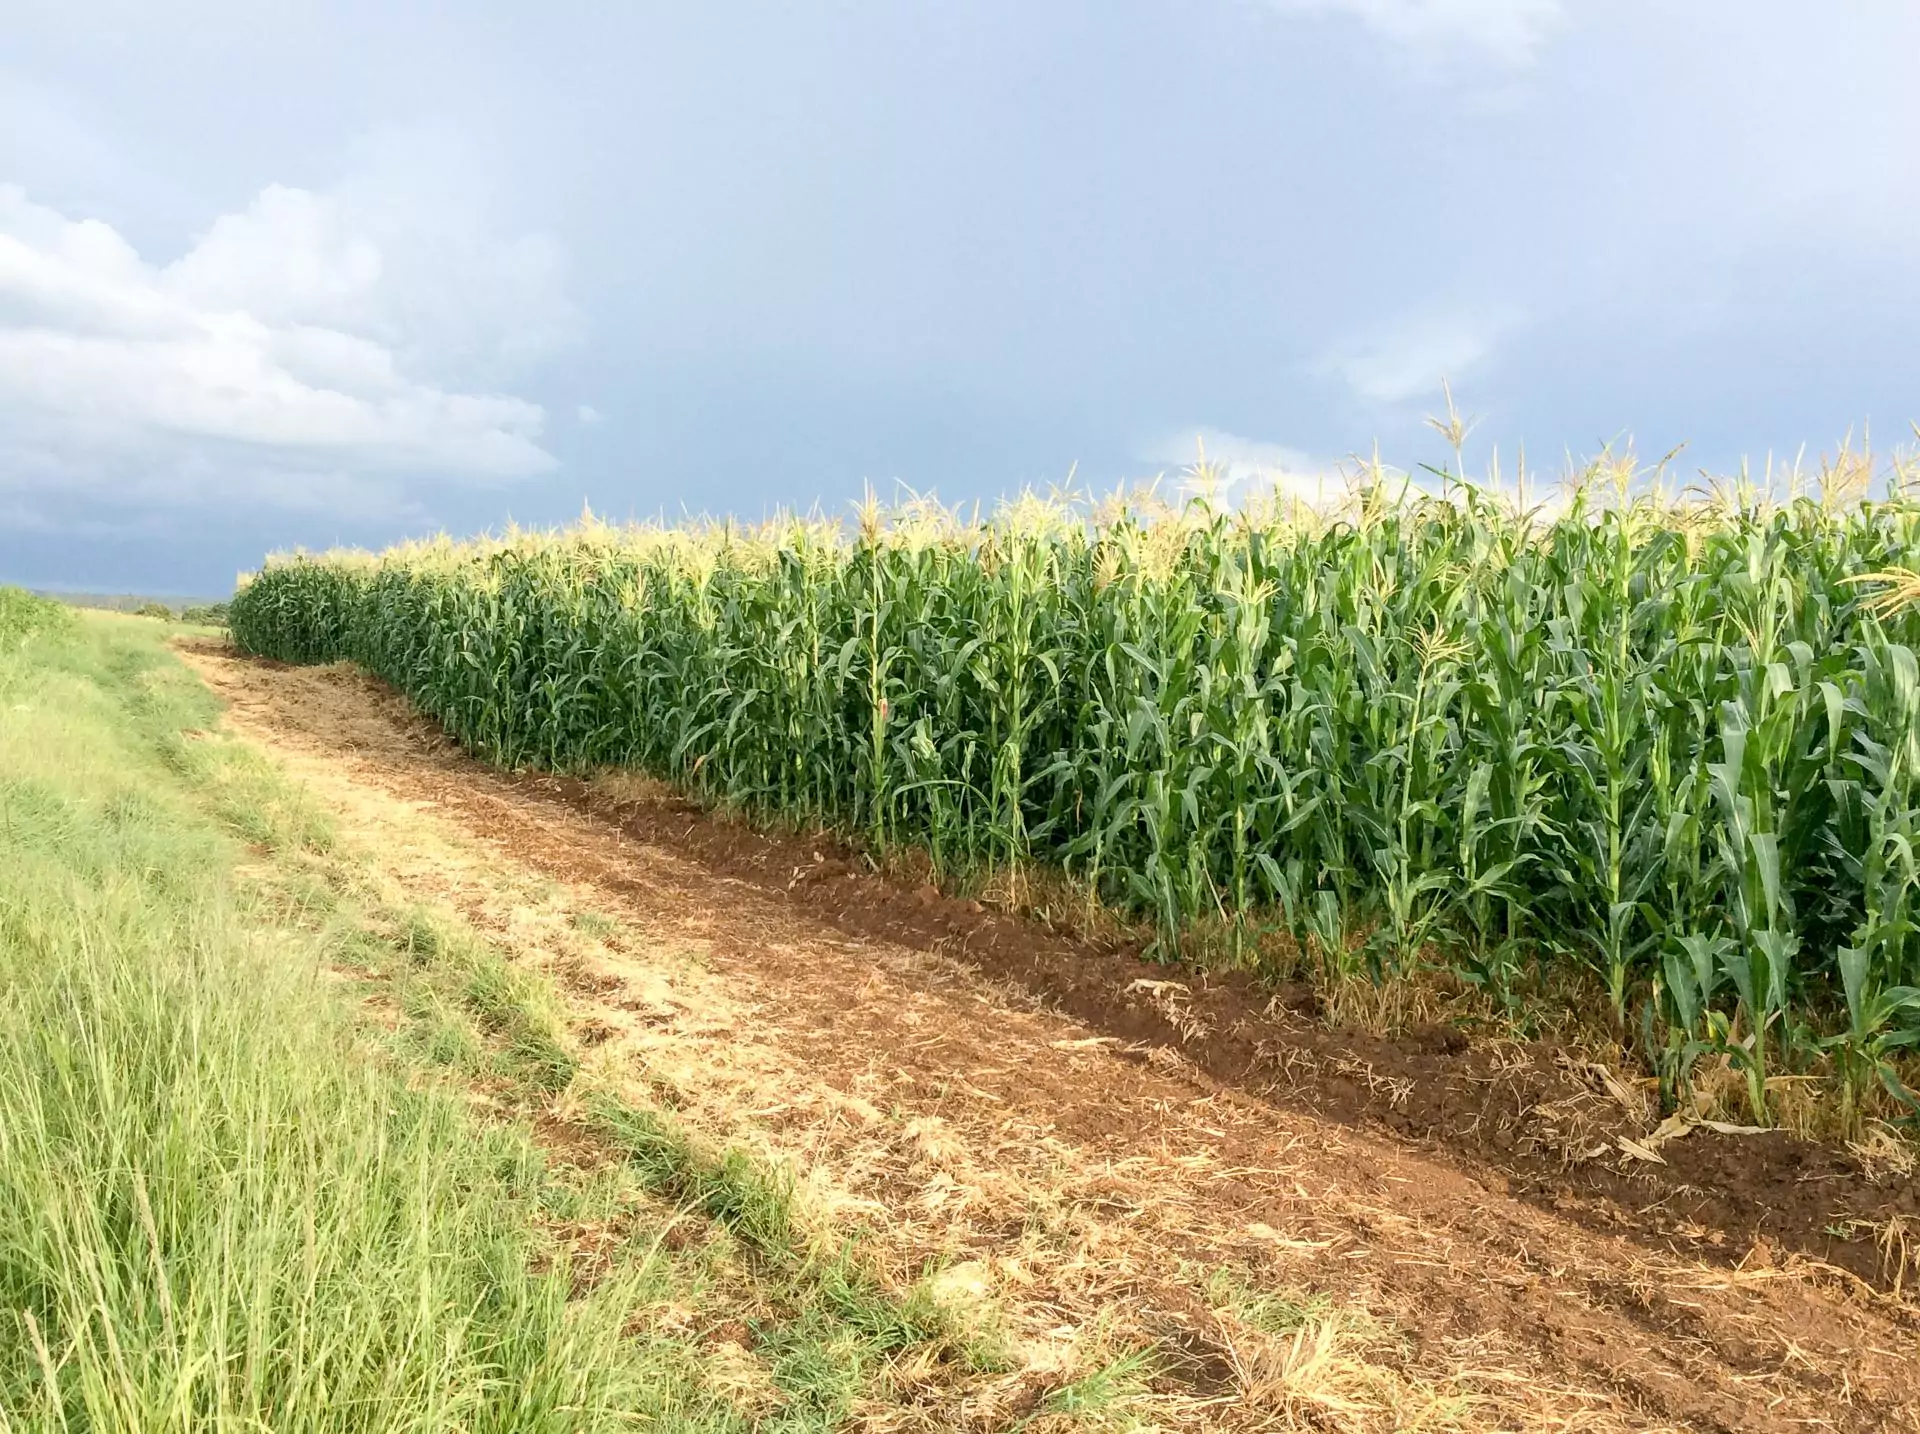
(1090, 1129)
(1546, 1127)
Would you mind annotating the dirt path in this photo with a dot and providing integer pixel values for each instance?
(1093, 1186)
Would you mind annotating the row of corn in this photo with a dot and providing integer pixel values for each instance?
(1675, 748)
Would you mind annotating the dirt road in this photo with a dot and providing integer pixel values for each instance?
(1090, 1180)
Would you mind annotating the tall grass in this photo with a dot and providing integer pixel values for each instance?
(217, 1212)
(1668, 744)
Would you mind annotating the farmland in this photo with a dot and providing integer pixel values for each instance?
(1143, 969)
(1654, 756)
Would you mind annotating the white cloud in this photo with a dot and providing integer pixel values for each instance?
(589, 415)
(281, 355)
(1236, 466)
(1409, 361)
(1508, 32)
(288, 258)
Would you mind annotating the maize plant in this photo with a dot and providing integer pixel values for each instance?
(1667, 747)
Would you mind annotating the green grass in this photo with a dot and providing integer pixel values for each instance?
(217, 1210)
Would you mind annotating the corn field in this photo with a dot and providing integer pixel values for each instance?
(1671, 749)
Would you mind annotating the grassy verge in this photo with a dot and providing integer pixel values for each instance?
(245, 1179)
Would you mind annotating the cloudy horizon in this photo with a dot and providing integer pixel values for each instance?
(282, 274)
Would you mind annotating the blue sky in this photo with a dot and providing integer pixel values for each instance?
(279, 272)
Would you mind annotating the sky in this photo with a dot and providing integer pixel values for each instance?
(281, 273)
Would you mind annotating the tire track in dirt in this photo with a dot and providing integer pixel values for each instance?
(946, 1114)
